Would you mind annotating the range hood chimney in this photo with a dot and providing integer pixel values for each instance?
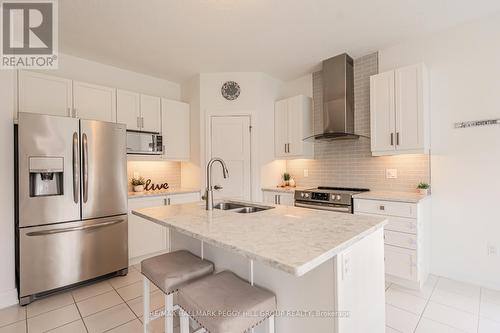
(338, 99)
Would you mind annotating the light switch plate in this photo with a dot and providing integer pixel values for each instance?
(391, 173)
(306, 172)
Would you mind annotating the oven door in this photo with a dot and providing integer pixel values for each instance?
(324, 206)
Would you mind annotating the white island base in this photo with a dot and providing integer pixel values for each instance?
(343, 295)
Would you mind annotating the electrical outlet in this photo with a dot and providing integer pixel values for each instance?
(491, 249)
(391, 173)
(306, 172)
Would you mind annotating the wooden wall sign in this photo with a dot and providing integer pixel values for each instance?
(149, 186)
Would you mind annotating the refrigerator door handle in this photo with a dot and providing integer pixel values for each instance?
(85, 168)
(76, 173)
(62, 230)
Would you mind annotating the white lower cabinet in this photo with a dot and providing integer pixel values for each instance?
(405, 237)
(146, 238)
(279, 198)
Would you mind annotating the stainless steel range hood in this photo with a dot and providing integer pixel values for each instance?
(338, 99)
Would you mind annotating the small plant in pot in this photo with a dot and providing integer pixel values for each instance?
(286, 178)
(423, 188)
(138, 184)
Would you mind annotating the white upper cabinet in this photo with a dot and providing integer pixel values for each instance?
(399, 111)
(139, 112)
(292, 124)
(45, 94)
(94, 102)
(150, 113)
(128, 109)
(175, 130)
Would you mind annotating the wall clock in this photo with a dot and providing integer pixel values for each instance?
(230, 90)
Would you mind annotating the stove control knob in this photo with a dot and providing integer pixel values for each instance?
(302, 195)
(333, 196)
(338, 197)
(306, 195)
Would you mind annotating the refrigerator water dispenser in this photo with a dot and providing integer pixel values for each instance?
(46, 176)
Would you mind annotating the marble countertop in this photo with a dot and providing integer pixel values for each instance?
(292, 239)
(177, 190)
(410, 197)
(284, 189)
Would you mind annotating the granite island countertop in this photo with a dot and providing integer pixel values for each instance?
(160, 193)
(292, 239)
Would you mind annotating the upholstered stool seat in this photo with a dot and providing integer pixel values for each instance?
(224, 303)
(169, 272)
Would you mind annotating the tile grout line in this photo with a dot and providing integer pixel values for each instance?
(426, 304)
(81, 317)
(136, 317)
(121, 325)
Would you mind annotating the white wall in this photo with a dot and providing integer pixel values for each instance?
(300, 86)
(72, 68)
(258, 94)
(464, 66)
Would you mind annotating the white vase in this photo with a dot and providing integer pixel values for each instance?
(423, 191)
(291, 183)
(139, 188)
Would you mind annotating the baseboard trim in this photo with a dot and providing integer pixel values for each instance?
(8, 298)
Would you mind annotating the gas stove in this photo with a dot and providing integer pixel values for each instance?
(336, 199)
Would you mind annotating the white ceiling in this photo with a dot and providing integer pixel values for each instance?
(176, 39)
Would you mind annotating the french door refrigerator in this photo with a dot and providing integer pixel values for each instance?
(71, 208)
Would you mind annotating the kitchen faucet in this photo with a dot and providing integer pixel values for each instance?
(209, 193)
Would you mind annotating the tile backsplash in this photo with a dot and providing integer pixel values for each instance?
(349, 163)
(158, 171)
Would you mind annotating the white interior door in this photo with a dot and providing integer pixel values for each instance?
(230, 140)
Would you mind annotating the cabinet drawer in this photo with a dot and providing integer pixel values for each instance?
(401, 263)
(401, 209)
(400, 239)
(401, 224)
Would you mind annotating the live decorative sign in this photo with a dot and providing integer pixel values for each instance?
(149, 186)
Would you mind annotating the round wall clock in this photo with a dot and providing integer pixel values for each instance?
(230, 90)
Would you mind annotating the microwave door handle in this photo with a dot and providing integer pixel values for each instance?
(85, 167)
(76, 173)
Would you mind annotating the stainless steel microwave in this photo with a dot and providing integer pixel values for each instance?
(144, 143)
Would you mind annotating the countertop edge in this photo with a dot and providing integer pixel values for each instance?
(392, 196)
(160, 194)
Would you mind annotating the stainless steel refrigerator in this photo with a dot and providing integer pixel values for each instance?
(71, 207)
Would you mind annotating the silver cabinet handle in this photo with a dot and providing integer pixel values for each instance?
(397, 139)
(218, 187)
(86, 227)
(275, 199)
(392, 139)
(138, 122)
(142, 122)
(168, 200)
(288, 147)
(382, 207)
(76, 173)
(85, 167)
(279, 199)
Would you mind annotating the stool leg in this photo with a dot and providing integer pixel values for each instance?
(169, 313)
(184, 321)
(270, 324)
(145, 297)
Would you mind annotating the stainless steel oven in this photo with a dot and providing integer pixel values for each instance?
(334, 199)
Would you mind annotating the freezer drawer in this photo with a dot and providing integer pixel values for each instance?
(62, 254)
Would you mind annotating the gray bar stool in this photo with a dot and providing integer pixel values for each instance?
(224, 303)
(169, 272)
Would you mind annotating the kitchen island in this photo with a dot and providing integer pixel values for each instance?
(326, 269)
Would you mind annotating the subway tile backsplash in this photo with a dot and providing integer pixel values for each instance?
(158, 171)
(349, 163)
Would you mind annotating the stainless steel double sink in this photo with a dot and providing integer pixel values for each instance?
(239, 207)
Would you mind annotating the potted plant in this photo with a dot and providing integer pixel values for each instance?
(423, 188)
(138, 184)
(286, 178)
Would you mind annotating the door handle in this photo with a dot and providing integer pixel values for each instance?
(62, 230)
(76, 173)
(397, 139)
(85, 168)
(279, 199)
(392, 139)
(139, 122)
(275, 199)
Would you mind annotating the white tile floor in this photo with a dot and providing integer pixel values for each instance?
(442, 306)
(111, 306)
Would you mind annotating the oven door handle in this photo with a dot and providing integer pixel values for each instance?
(324, 207)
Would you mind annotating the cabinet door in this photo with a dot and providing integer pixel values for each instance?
(269, 197)
(175, 130)
(401, 262)
(281, 128)
(286, 199)
(40, 93)
(174, 199)
(128, 109)
(295, 126)
(94, 102)
(145, 237)
(151, 113)
(409, 108)
(382, 113)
